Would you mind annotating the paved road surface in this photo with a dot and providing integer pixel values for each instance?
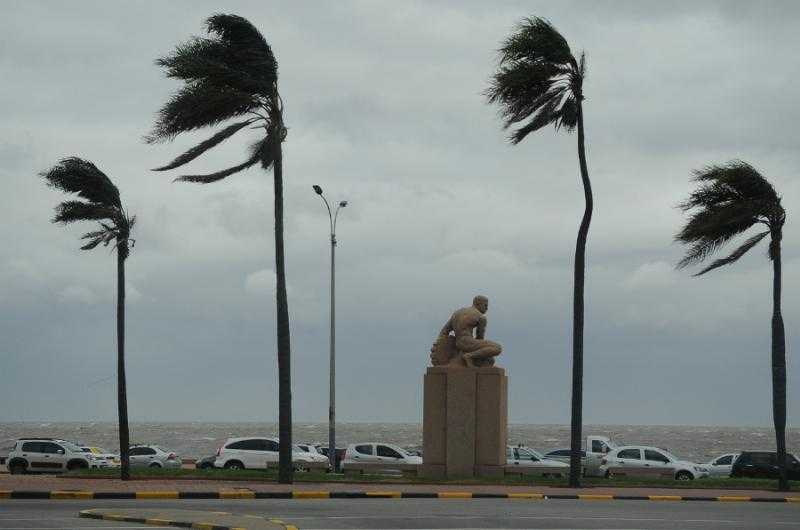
(408, 514)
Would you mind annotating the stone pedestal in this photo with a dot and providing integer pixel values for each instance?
(465, 421)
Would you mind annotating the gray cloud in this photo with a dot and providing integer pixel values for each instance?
(385, 109)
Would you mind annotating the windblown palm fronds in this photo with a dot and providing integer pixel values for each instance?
(101, 203)
(232, 74)
(731, 199)
(538, 81)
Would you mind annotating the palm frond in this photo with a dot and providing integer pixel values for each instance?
(218, 175)
(538, 81)
(736, 254)
(72, 211)
(204, 146)
(79, 176)
(731, 199)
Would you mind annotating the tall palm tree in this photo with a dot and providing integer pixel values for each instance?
(539, 82)
(731, 199)
(100, 203)
(234, 74)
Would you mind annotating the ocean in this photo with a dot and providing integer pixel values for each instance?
(198, 439)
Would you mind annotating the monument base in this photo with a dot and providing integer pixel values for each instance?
(465, 420)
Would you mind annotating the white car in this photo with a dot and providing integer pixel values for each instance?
(101, 454)
(639, 460)
(526, 457)
(722, 465)
(378, 453)
(254, 452)
(153, 457)
(49, 455)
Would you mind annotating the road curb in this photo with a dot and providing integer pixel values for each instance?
(200, 525)
(303, 494)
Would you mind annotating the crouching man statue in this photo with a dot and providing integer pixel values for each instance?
(463, 348)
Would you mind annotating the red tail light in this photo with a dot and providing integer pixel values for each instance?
(172, 456)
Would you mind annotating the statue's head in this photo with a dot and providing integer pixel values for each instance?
(481, 303)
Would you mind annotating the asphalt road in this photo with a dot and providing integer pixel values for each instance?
(431, 514)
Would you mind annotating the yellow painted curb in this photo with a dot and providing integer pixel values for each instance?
(526, 496)
(733, 498)
(792, 499)
(454, 495)
(311, 494)
(596, 497)
(203, 526)
(665, 497)
(393, 494)
(113, 517)
(158, 522)
(157, 495)
(71, 495)
(5, 494)
(237, 494)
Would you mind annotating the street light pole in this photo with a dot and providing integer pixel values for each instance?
(332, 217)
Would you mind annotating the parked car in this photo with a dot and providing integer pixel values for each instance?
(764, 464)
(526, 457)
(378, 453)
(562, 455)
(639, 460)
(259, 453)
(101, 454)
(207, 462)
(721, 466)
(596, 448)
(49, 455)
(152, 456)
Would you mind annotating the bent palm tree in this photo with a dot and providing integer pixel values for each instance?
(539, 82)
(101, 203)
(731, 199)
(234, 74)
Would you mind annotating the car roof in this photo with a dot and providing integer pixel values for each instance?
(240, 438)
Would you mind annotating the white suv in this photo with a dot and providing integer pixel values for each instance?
(259, 453)
(639, 460)
(48, 455)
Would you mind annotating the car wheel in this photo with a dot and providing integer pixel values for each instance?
(17, 468)
(684, 475)
(206, 465)
(72, 466)
(234, 464)
(154, 466)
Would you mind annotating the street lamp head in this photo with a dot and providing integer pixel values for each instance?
(342, 204)
(317, 189)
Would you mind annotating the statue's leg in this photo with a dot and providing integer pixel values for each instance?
(487, 350)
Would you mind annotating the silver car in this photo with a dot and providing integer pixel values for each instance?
(153, 457)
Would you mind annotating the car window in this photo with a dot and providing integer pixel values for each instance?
(764, 458)
(148, 451)
(32, 447)
(252, 444)
(509, 453)
(388, 452)
(269, 445)
(364, 449)
(724, 461)
(51, 448)
(598, 446)
(633, 454)
(655, 456)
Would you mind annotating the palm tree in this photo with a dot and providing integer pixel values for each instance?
(731, 199)
(539, 82)
(102, 204)
(234, 74)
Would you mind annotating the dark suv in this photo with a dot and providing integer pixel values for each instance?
(764, 464)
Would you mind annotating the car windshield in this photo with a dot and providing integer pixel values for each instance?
(669, 455)
(528, 452)
(71, 447)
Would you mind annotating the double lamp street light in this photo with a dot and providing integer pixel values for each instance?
(332, 217)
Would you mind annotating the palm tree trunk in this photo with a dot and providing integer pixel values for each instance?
(577, 319)
(285, 471)
(122, 393)
(778, 363)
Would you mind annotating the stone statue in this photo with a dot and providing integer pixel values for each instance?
(463, 348)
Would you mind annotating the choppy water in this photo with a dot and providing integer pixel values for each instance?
(199, 439)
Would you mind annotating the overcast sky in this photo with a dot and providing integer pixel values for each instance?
(385, 109)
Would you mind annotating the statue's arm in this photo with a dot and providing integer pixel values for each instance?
(480, 329)
(448, 327)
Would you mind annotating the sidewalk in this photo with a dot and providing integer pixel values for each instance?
(52, 483)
